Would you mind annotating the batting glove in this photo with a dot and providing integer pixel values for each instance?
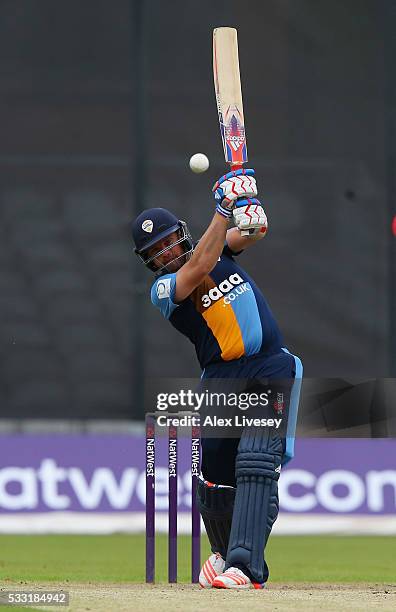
(249, 216)
(233, 185)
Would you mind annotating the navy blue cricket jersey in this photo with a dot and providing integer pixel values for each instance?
(226, 317)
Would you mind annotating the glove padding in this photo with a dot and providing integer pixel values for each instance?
(249, 216)
(233, 185)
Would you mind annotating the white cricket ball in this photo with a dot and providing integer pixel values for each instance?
(199, 163)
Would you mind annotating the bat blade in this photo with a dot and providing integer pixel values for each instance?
(228, 92)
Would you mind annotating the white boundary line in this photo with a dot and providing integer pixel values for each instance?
(134, 522)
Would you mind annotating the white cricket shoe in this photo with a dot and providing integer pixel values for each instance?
(213, 567)
(234, 578)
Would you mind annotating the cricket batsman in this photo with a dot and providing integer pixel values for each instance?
(208, 297)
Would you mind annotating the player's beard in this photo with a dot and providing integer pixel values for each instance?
(175, 264)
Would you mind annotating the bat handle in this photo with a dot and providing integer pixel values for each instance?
(238, 167)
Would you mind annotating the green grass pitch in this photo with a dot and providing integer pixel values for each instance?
(121, 558)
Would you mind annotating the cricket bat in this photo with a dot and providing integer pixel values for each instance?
(227, 84)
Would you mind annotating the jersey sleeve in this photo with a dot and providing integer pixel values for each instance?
(163, 293)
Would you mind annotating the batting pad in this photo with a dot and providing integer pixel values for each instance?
(256, 501)
(216, 504)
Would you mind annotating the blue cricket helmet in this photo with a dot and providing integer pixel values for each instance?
(153, 225)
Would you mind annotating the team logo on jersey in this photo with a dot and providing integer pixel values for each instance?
(224, 288)
(147, 226)
(163, 288)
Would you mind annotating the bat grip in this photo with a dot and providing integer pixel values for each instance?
(238, 167)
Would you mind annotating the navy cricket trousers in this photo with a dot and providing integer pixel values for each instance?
(219, 454)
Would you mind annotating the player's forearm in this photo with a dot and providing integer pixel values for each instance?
(237, 242)
(211, 244)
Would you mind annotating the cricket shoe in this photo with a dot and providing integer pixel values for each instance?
(234, 578)
(212, 568)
